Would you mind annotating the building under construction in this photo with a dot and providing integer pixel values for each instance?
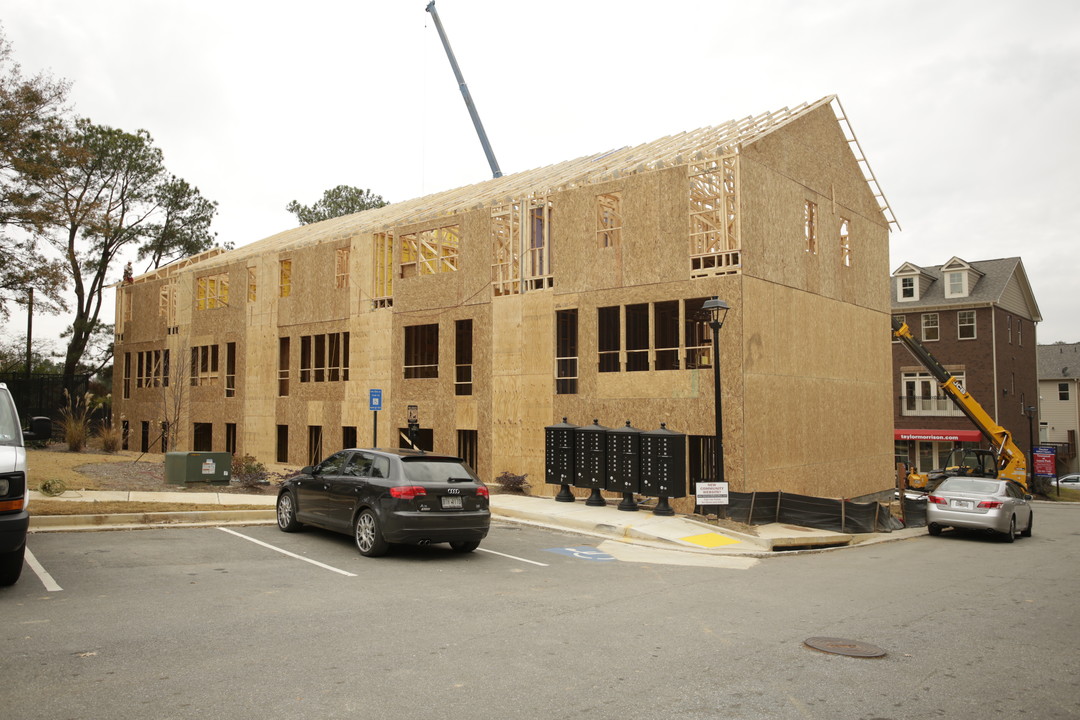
(572, 291)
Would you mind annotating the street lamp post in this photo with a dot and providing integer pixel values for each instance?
(1030, 412)
(717, 310)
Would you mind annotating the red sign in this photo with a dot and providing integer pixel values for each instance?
(938, 435)
(1042, 460)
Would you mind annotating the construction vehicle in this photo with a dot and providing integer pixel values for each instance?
(1004, 460)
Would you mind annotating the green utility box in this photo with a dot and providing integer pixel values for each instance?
(191, 467)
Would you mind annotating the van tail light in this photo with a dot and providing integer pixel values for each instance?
(991, 504)
(482, 491)
(937, 500)
(407, 492)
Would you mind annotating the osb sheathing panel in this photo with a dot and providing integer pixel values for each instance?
(314, 296)
(470, 284)
(817, 394)
(811, 151)
(653, 243)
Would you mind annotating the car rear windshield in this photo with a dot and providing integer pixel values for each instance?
(970, 485)
(421, 470)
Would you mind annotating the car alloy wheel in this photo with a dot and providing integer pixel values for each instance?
(1026, 532)
(286, 513)
(1011, 536)
(369, 539)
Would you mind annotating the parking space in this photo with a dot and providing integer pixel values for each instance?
(59, 562)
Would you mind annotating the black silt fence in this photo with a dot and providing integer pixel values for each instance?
(759, 508)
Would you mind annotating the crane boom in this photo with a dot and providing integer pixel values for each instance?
(495, 171)
(1011, 463)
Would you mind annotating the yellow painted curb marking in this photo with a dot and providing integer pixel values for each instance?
(710, 540)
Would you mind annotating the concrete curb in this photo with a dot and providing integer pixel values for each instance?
(133, 521)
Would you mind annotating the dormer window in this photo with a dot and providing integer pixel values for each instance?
(956, 284)
(907, 289)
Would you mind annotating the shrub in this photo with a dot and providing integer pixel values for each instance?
(110, 437)
(247, 472)
(74, 422)
(53, 487)
(510, 483)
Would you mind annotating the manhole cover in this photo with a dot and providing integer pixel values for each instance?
(840, 646)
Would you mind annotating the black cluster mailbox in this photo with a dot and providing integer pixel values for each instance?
(624, 452)
(559, 458)
(663, 466)
(623, 460)
(590, 460)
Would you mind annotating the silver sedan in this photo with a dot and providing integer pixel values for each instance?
(967, 503)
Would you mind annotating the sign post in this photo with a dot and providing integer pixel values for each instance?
(375, 405)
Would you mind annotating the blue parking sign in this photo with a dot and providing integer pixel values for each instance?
(375, 399)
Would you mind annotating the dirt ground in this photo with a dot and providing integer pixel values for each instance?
(92, 469)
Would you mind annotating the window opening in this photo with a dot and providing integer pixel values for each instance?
(608, 340)
(252, 290)
(341, 268)
(609, 220)
(283, 367)
(421, 351)
(382, 263)
(637, 337)
(212, 291)
(810, 226)
(666, 334)
(348, 436)
(566, 352)
(230, 369)
(202, 439)
(697, 334)
(467, 445)
(506, 249)
(430, 252)
(845, 242)
(315, 449)
(714, 220)
(463, 357)
(204, 365)
(230, 438)
(284, 278)
(282, 443)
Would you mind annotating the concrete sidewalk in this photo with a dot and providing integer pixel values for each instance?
(608, 523)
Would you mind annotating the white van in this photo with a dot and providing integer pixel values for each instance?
(14, 519)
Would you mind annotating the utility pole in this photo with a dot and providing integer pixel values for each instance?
(495, 171)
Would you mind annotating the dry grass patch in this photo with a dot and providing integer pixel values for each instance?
(110, 507)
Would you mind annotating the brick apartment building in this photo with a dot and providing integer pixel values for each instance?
(978, 319)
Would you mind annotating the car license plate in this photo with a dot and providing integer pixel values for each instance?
(451, 502)
(963, 504)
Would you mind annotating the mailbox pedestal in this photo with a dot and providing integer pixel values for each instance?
(663, 468)
(623, 455)
(590, 461)
(559, 458)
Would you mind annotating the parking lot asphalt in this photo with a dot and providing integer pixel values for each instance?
(640, 527)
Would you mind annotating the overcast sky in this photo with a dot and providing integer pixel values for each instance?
(967, 109)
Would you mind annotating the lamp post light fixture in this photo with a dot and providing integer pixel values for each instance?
(1030, 411)
(717, 310)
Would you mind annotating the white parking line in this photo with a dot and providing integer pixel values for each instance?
(286, 552)
(512, 557)
(46, 579)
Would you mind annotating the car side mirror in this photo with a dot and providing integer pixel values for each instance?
(1029, 497)
(40, 429)
(307, 470)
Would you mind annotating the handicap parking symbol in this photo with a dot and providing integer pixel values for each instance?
(582, 553)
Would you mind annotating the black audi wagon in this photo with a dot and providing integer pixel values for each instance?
(388, 496)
